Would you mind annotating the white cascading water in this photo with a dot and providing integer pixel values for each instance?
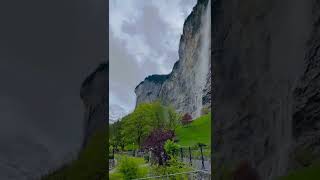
(204, 58)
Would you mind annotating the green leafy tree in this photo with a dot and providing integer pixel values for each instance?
(138, 124)
(174, 118)
(144, 119)
(116, 136)
(165, 117)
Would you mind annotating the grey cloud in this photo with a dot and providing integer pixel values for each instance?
(151, 26)
(125, 69)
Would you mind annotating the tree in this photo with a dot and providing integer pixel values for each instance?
(116, 136)
(186, 119)
(174, 118)
(159, 115)
(155, 143)
(145, 118)
(138, 124)
(165, 117)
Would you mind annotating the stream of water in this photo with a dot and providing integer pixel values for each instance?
(204, 58)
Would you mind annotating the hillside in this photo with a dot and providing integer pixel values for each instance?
(91, 163)
(199, 131)
(305, 173)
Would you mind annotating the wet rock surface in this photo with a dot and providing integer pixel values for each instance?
(259, 54)
(178, 87)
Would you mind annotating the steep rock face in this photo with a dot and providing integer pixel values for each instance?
(306, 117)
(258, 53)
(178, 88)
(94, 96)
(149, 89)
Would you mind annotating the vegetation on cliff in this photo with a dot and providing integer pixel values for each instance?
(90, 164)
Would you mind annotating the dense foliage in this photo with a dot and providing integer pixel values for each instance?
(172, 166)
(171, 148)
(155, 143)
(135, 127)
(116, 138)
(129, 168)
(158, 130)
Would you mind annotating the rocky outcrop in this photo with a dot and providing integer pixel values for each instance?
(261, 109)
(183, 87)
(95, 99)
(149, 89)
(306, 116)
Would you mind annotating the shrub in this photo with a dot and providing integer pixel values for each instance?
(171, 167)
(128, 168)
(171, 148)
(115, 176)
(186, 119)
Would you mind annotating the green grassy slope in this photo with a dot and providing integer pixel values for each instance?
(199, 131)
(309, 173)
(91, 164)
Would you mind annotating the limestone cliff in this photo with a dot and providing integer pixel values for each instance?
(266, 83)
(185, 87)
(95, 99)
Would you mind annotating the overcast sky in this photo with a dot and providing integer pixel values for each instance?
(143, 40)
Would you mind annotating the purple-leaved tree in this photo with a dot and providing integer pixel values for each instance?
(155, 143)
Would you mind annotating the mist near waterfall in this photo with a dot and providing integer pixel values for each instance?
(204, 59)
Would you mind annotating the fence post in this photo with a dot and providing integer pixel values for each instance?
(202, 157)
(181, 154)
(113, 161)
(190, 156)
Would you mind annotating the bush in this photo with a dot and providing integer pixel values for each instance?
(115, 176)
(172, 166)
(129, 168)
(171, 148)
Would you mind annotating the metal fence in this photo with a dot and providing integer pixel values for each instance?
(112, 161)
(197, 174)
(197, 157)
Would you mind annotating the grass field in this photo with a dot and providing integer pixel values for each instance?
(91, 164)
(199, 131)
(307, 173)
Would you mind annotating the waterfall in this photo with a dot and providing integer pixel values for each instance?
(204, 58)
